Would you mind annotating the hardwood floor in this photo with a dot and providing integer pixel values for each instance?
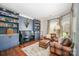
(16, 51)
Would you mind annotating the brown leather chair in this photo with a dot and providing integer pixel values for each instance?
(63, 49)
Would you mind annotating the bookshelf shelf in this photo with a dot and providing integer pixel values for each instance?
(8, 16)
(9, 27)
(8, 22)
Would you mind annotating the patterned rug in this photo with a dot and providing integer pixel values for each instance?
(35, 50)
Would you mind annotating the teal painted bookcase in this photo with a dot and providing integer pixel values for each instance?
(8, 19)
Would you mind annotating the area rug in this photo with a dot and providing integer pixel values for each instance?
(35, 50)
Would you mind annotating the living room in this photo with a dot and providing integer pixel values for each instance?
(38, 29)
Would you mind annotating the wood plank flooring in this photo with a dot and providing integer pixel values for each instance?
(16, 51)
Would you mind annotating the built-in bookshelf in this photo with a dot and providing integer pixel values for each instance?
(8, 25)
(36, 29)
(8, 19)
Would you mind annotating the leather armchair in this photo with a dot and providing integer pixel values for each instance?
(57, 49)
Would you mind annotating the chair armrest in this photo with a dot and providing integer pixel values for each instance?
(67, 49)
(59, 46)
(56, 45)
(64, 48)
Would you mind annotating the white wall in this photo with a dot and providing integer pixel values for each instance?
(43, 27)
(22, 25)
(74, 17)
(76, 26)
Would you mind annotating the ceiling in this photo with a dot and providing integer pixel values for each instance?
(39, 10)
